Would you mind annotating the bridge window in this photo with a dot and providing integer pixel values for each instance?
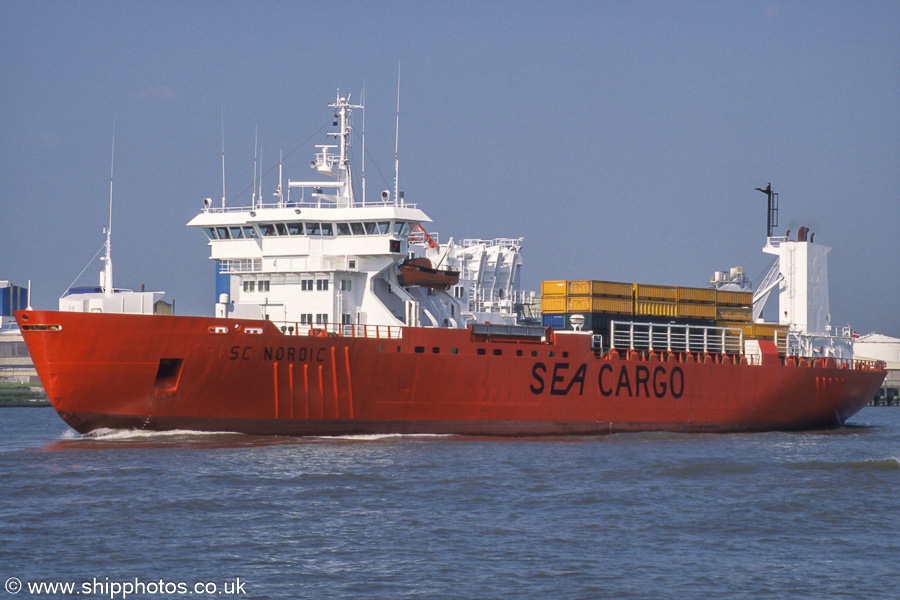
(371, 228)
(236, 233)
(313, 229)
(222, 232)
(282, 228)
(295, 228)
(343, 228)
(249, 231)
(401, 228)
(357, 229)
(267, 229)
(384, 227)
(327, 228)
(210, 233)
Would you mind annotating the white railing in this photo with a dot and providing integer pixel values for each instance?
(241, 265)
(514, 242)
(419, 237)
(676, 338)
(794, 343)
(300, 204)
(340, 330)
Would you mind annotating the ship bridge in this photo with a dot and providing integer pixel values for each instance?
(319, 254)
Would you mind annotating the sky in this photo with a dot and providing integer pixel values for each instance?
(622, 140)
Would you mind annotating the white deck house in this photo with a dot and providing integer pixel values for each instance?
(319, 255)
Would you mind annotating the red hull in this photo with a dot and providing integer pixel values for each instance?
(164, 372)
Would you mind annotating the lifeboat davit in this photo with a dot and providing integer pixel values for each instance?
(420, 272)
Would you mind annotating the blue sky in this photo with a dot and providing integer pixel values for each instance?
(622, 140)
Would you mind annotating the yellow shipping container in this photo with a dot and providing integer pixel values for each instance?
(767, 331)
(696, 295)
(654, 308)
(600, 288)
(587, 304)
(734, 313)
(644, 291)
(734, 298)
(688, 310)
(553, 304)
(553, 288)
(756, 331)
(744, 327)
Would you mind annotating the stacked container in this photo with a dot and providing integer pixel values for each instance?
(599, 302)
(603, 301)
(733, 308)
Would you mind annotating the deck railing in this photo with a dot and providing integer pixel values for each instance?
(676, 338)
(302, 204)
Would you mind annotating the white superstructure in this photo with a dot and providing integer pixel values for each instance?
(801, 275)
(321, 254)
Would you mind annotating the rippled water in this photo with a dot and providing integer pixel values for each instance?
(773, 515)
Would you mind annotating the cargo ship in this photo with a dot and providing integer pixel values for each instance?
(336, 315)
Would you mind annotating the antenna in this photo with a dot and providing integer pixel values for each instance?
(278, 193)
(363, 105)
(397, 143)
(107, 282)
(223, 155)
(255, 155)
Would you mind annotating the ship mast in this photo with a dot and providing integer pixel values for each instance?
(106, 279)
(771, 210)
(397, 144)
(344, 110)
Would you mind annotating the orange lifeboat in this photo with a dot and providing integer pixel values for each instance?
(420, 272)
